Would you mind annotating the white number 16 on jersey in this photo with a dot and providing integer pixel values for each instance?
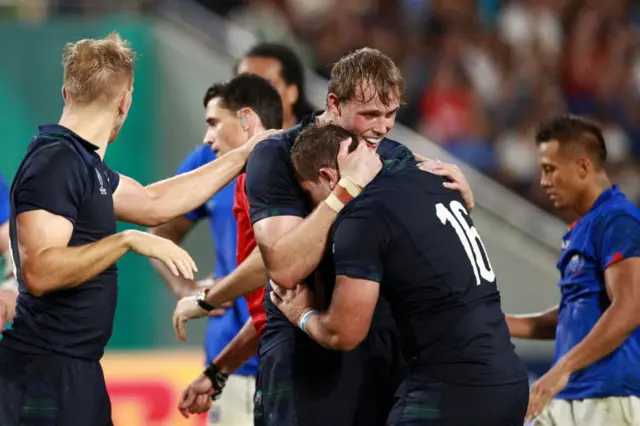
(469, 238)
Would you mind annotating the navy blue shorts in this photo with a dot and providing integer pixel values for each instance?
(300, 383)
(51, 390)
(423, 401)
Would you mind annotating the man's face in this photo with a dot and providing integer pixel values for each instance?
(271, 70)
(224, 130)
(561, 176)
(365, 115)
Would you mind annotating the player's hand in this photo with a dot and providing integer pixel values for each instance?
(293, 303)
(545, 388)
(176, 258)
(361, 165)
(452, 172)
(187, 309)
(196, 398)
(257, 138)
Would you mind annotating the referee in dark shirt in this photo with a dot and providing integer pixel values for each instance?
(64, 204)
(408, 238)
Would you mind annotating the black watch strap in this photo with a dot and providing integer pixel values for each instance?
(218, 379)
(202, 303)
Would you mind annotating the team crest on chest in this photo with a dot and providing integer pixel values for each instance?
(575, 265)
(103, 190)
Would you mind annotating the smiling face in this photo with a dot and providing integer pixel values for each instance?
(365, 114)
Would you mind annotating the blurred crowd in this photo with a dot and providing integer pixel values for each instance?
(482, 73)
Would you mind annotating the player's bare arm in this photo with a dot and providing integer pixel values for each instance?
(616, 324)
(239, 350)
(541, 325)
(162, 201)
(293, 247)
(345, 324)
(48, 264)
(4, 238)
(247, 277)
(233, 356)
(175, 230)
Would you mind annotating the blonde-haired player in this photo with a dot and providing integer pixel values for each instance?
(65, 202)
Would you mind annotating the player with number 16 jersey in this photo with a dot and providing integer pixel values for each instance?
(411, 240)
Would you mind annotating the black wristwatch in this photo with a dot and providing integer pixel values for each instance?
(203, 303)
(218, 379)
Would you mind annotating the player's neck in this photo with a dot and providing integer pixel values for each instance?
(325, 118)
(591, 194)
(91, 124)
(289, 121)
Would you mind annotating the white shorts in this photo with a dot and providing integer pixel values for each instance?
(612, 411)
(235, 406)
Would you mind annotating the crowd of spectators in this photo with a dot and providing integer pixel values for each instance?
(482, 73)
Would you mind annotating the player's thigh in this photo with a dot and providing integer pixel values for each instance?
(47, 390)
(274, 399)
(384, 371)
(326, 384)
(83, 396)
(302, 384)
(235, 406)
(12, 382)
(614, 411)
(423, 401)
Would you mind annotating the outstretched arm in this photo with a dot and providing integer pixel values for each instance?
(162, 201)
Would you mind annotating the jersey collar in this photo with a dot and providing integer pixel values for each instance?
(607, 195)
(63, 132)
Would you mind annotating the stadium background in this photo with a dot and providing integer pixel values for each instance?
(480, 73)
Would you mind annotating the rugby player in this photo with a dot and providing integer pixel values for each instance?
(260, 106)
(65, 201)
(595, 375)
(411, 240)
(235, 111)
(299, 382)
(252, 271)
(279, 65)
(8, 284)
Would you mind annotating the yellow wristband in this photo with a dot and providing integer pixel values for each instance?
(334, 203)
(350, 186)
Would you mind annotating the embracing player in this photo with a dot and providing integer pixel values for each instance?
(369, 114)
(410, 240)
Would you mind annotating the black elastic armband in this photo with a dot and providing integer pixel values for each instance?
(218, 379)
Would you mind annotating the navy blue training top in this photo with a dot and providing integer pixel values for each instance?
(63, 174)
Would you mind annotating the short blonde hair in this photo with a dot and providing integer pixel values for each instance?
(97, 69)
(366, 66)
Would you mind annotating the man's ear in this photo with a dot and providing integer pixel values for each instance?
(250, 121)
(330, 175)
(333, 104)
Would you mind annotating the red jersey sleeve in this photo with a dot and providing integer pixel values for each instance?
(246, 244)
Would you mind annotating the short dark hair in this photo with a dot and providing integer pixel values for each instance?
(363, 66)
(249, 91)
(317, 147)
(575, 130)
(291, 69)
